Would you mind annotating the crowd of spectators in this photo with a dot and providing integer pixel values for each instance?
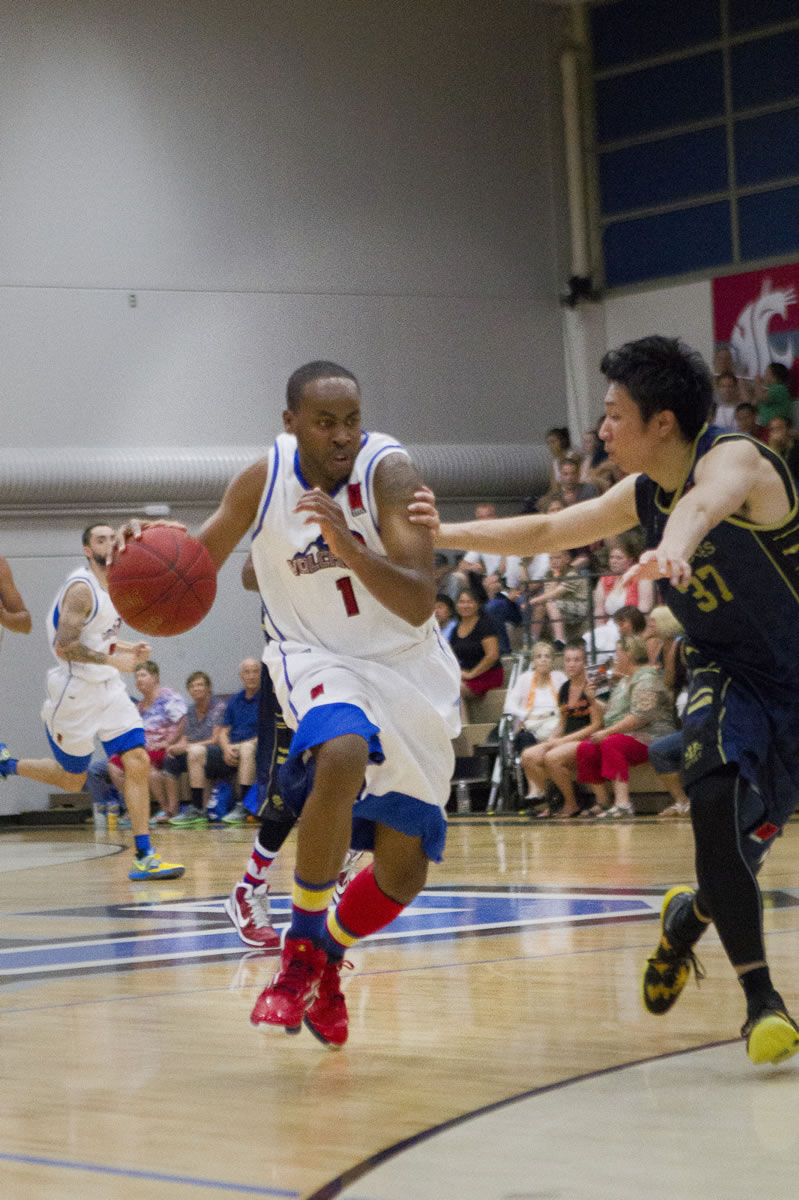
(578, 603)
(193, 744)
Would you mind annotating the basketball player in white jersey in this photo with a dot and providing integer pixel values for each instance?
(360, 674)
(86, 696)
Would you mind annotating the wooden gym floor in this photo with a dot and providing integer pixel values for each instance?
(498, 1046)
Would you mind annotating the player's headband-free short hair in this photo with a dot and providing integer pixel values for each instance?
(320, 369)
(86, 536)
(663, 375)
(150, 667)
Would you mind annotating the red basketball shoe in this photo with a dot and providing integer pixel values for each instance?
(293, 989)
(327, 1017)
(248, 909)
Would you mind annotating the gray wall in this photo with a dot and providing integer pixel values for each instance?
(277, 180)
(377, 181)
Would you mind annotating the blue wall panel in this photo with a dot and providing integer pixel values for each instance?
(691, 89)
(662, 172)
(767, 147)
(651, 247)
(765, 70)
(758, 14)
(769, 223)
(634, 29)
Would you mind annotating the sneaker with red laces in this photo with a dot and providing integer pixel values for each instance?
(293, 989)
(327, 1017)
(248, 909)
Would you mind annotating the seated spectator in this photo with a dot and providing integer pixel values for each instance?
(775, 398)
(237, 738)
(163, 712)
(746, 419)
(727, 398)
(475, 644)
(724, 364)
(559, 445)
(611, 593)
(628, 620)
(444, 612)
(782, 440)
(195, 751)
(564, 600)
(102, 791)
(580, 716)
(503, 608)
(639, 710)
(449, 582)
(665, 757)
(662, 635)
(533, 701)
(594, 453)
(665, 753)
(480, 565)
(606, 475)
(536, 568)
(569, 489)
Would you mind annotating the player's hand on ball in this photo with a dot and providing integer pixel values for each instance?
(422, 509)
(133, 529)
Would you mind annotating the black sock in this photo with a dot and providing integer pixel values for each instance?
(686, 925)
(197, 795)
(758, 988)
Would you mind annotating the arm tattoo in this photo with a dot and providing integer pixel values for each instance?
(396, 479)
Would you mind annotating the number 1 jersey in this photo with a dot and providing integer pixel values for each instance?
(309, 595)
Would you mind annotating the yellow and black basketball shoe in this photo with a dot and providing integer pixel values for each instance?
(771, 1035)
(667, 970)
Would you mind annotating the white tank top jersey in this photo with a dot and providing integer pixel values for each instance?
(309, 595)
(99, 630)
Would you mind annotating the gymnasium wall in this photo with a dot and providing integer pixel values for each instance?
(197, 197)
(269, 182)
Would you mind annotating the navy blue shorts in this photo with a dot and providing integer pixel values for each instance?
(727, 720)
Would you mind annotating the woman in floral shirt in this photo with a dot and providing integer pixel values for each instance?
(163, 712)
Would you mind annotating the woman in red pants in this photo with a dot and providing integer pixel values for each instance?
(639, 710)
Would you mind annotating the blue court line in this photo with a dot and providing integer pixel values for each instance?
(244, 1189)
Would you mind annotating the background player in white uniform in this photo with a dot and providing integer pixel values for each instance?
(86, 697)
(361, 675)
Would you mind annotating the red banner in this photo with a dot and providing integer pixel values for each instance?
(757, 316)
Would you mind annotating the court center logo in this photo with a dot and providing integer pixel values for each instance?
(178, 932)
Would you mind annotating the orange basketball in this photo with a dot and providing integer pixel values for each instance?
(162, 583)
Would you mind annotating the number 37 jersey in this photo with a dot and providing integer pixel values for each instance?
(309, 595)
(740, 608)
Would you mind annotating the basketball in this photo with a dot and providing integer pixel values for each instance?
(164, 583)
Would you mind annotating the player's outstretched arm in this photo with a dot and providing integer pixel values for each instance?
(13, 613)
(732, 478)
(404, 580)
(578, 525)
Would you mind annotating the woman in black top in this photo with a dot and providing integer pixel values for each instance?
(475, 644)
(580, 717)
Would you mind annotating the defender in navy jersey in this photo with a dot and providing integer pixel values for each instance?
(360, 673)
(722, 523)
